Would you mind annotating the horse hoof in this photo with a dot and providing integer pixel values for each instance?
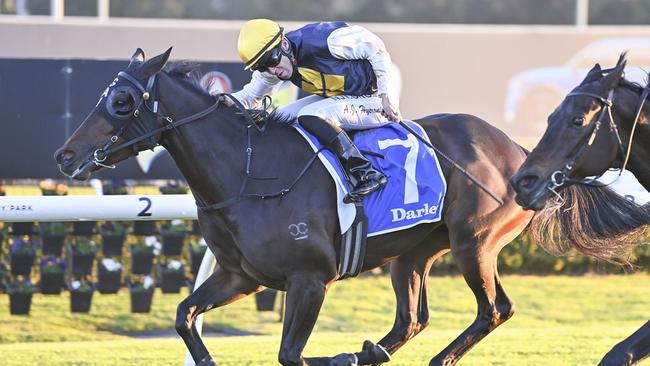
(207, 361)
(372, 354)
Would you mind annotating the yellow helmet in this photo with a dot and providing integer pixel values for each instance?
(256, 37)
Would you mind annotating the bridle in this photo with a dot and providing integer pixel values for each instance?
(143, 124)
(560, 177)
(146, 117)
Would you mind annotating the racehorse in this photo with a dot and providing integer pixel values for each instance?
(601, 124)
(239, 169)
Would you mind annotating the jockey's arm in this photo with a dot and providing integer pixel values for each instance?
(358, 43)
(261, 84)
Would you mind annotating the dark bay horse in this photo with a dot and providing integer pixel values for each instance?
(230, 160)
(590, 132)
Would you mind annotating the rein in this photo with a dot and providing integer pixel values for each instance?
(153, 117)
(561, 177)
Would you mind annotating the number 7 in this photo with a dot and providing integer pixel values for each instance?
(411, 193)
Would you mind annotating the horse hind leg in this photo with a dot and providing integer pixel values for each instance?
(409, 277)
(478, 266)
(220, 288)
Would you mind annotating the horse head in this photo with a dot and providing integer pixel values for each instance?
(124, 121)
(581, 140)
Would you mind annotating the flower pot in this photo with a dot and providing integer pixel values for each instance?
(112, 245)
(144, 228)
(265, 300)
(171, 282)
(141, 301)
(20, 303)
(53, 244)
(108, 282)
(21, 264)
(195, 261)
(141, 263)
(196, 230)
(51, 283)
(22, 228)
(80, 301)
(82, 264)
(172, 244)
(84, 228)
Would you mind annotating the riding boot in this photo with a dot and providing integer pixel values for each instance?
(364, 177)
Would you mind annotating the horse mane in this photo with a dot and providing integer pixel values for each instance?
(599, 223)
(187, 71)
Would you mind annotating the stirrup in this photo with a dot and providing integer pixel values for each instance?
(357, 195)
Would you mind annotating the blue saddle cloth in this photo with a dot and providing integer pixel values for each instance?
(416, 187)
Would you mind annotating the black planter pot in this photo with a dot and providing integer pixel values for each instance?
(21, 264)
(172, 244)
(265, 300)
(20, 303)
(82, 264)
(22, 228)
(171, 282)
(195, 261)
(53, 244)
(144, 228)
(141, 301)
(112, 245)
(52, 283)
(141, 263)
(84, 228)
(196, 230)
(108, 282)
(80, 301)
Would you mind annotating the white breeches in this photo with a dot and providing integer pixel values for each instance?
(347, 111)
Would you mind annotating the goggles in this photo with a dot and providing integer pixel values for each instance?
(271, 59)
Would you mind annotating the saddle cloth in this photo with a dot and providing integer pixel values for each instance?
(416, 186)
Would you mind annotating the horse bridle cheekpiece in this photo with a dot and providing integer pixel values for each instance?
(560, 177)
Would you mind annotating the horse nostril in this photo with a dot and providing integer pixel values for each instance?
(64, 156)
(527, 182)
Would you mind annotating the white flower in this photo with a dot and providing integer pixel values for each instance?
(151, 241)
(175, 265)
(111, 265)
(147, 282)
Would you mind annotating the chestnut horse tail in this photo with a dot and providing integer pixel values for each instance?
(593, 220)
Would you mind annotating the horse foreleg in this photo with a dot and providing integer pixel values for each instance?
(221, 288)
(631, 350)
(478, 266)
(409, 277)
(305, 296)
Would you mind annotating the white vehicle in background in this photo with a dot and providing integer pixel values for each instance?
(534, 93)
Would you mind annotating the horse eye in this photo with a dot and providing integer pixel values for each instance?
(578, 121)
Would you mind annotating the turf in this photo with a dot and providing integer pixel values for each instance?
(559, 320)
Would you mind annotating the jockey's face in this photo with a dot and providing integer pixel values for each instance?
(282, 70)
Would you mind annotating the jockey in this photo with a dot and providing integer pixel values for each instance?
(345, 68)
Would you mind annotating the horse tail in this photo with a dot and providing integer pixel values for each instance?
(593, 220)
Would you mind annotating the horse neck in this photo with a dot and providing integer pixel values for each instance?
(639, 162)
(206, 148)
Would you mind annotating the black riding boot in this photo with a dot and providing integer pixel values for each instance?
(365, 178)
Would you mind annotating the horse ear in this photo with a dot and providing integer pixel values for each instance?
(593, 75)
(156, 64)
(612, 79)
(138, 55)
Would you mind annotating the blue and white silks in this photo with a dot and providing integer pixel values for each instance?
(416, 187)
